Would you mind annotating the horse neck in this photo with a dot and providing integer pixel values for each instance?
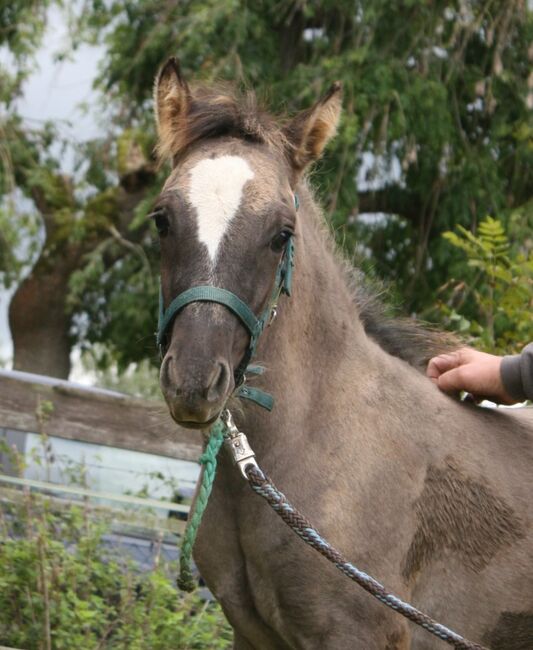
(329, 379)
(318, 335)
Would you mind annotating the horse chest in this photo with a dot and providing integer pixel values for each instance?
(266, 579)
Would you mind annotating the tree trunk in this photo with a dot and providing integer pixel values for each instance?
(38, 317)
(39, 321)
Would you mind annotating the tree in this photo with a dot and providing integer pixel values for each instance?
(436, 120)
(17, 47)
(40, 318)
(438, 91)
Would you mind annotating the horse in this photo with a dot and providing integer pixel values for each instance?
(424, 492)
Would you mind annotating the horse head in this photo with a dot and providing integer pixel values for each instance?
(225, 217)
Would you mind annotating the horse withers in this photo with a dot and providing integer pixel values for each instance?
(428, 495)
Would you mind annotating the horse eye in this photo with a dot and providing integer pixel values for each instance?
(161, 222)
(280, 241)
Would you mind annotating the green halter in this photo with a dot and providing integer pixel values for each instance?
(254, 325)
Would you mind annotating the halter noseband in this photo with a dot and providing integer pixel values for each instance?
(253, 324)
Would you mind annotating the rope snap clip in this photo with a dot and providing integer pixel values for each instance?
(237, 445)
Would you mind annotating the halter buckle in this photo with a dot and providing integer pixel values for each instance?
(273, 314)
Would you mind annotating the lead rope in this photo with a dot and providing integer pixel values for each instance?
(208, 459)
(263, 486)
(224, 430)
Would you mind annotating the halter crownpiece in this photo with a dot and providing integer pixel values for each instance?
(253, 324)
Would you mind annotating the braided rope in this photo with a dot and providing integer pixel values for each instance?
(208, 459)
(263, 486)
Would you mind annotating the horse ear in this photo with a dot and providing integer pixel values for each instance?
(172, 98)
(310, 131)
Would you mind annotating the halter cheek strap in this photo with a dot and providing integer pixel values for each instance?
(253, 324)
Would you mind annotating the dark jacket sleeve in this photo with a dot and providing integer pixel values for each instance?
(517, 374)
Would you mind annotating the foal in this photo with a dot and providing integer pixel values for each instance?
(426, 494)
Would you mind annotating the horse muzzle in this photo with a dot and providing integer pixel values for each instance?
(195, 390)
(197, 377)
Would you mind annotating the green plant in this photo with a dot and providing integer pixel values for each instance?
(493, 303)
(62, 589)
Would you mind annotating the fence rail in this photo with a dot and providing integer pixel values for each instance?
(93, 415)
(138, 529)
(127, 518)
(94, 494)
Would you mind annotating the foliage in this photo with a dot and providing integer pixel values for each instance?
(20, 43)
(494, 302)
(129, 288)
(436, 130)
(436, 101)
(60, 588)
(18, 244)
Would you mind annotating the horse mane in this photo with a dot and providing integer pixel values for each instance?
(222, 110)
(413, 341)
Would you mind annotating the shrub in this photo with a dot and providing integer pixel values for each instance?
(61, 590)
(493, 301)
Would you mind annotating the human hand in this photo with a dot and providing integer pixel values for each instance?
(469, 370)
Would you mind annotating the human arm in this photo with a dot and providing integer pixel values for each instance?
(504, 380)
(517, 374)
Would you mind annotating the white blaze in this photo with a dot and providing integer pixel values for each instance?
(215, 190)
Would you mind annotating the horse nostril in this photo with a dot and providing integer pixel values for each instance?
(165, 371)
(168, 376)
(219, 382)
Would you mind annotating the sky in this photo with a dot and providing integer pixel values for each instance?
(55, 92)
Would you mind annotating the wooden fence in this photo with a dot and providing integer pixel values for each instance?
(97, 416)
(93, 415)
